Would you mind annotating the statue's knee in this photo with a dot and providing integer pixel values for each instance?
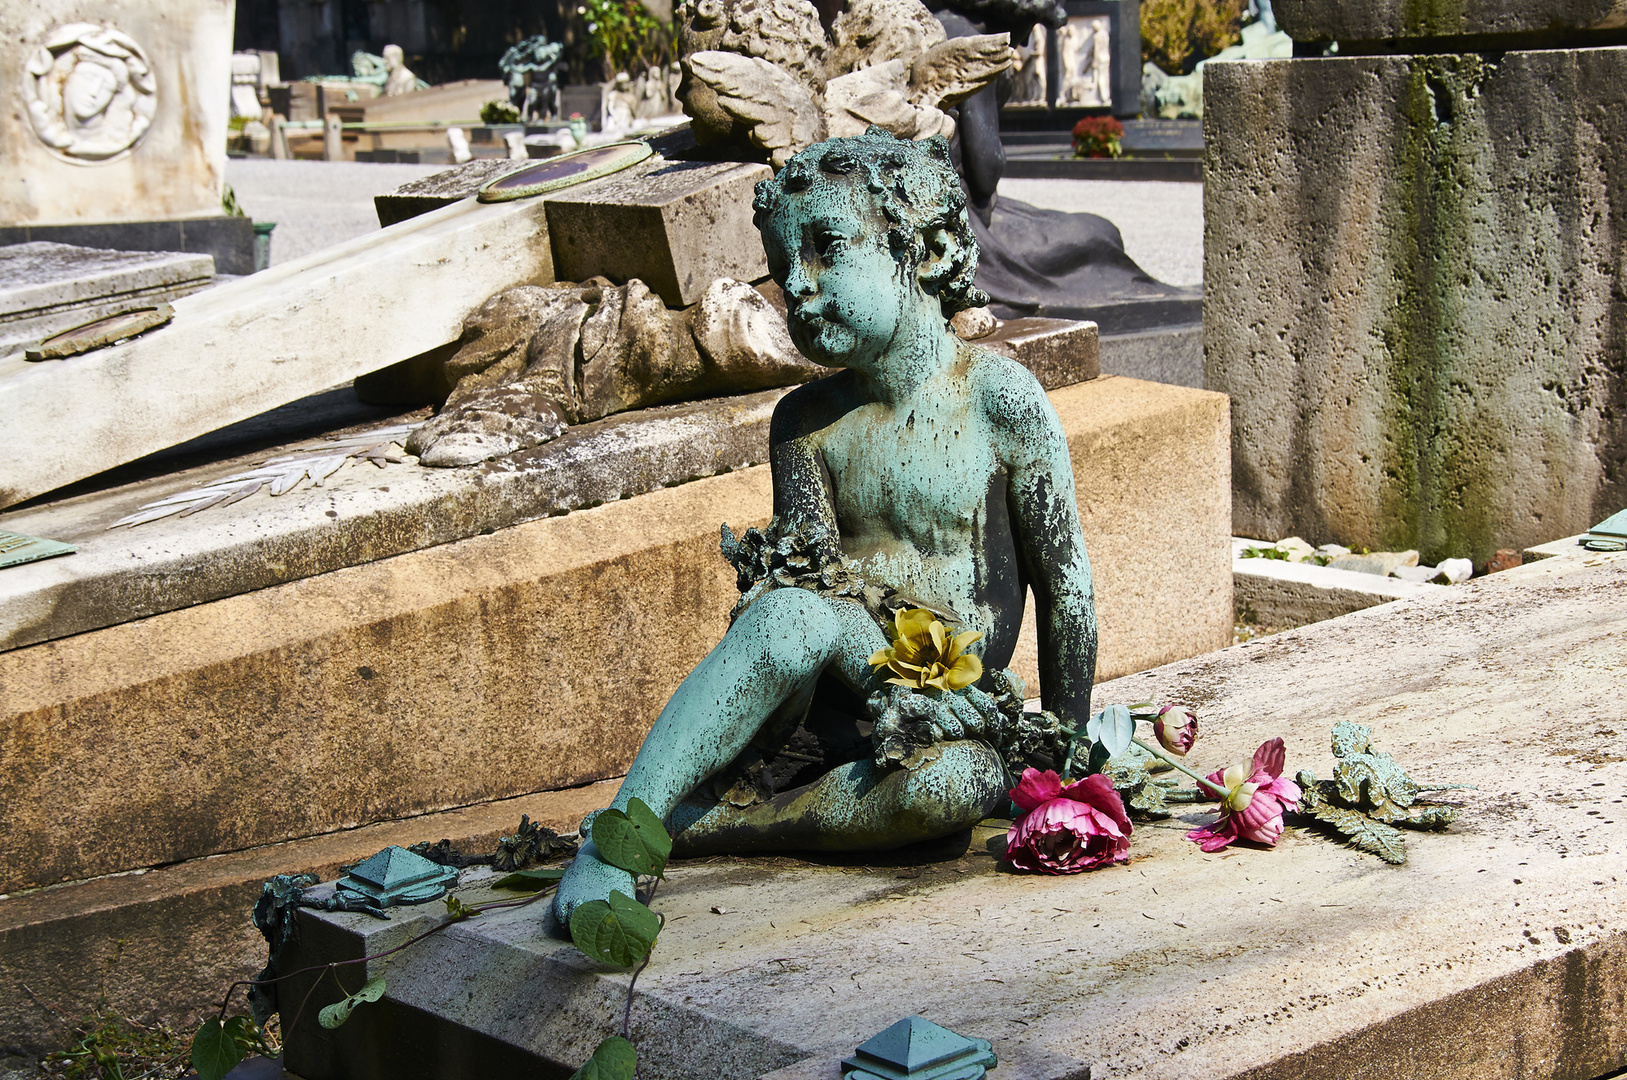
(798, 627)
(963, 786)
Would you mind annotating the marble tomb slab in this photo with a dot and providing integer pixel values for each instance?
(1498, 951)
(1384, 20)
(142, 135)
(46, 288)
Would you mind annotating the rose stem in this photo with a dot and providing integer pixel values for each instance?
(1158, 752)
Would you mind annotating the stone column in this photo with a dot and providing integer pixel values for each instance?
(1416, 274)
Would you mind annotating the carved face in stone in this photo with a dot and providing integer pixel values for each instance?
(89, 92)
(394, 57)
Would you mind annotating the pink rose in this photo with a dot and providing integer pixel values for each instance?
(1254, 803)
(1064, 830)
(1177, 728)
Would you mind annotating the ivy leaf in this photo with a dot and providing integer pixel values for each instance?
(530, 880)
(620, 845)
(214, 1051)
(651, 831)
(246, 1033)
(615, 1059)
(372, 990)
(458, 909)
(620, 932)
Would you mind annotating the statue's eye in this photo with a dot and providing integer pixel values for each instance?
(827, 245)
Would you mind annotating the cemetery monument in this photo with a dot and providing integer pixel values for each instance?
(928, 480)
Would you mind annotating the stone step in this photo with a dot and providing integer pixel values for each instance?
(1497, 950)
(415, 683)
(1269, 592)
(165, 944)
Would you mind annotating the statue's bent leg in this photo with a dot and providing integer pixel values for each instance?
(775, 648)
(858, 807)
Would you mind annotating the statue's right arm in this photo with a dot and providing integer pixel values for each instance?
(802, 484)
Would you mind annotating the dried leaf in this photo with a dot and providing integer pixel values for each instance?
(1385, 841)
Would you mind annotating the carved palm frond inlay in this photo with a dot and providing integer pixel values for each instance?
(280, 474)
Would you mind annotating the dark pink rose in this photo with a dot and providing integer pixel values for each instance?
(1064, 830)
(1177, 728)
(1254, 803)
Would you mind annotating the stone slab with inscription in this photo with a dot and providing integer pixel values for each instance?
(46, 288)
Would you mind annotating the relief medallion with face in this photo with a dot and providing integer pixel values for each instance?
(90, 92)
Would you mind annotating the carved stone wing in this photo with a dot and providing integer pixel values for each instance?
(779, 114)
(952, 71)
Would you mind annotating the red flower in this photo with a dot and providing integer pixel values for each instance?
(1254, 803)
(1067, 829)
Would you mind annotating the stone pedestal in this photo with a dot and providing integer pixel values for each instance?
(113, 111)
(1497, 950)
(1413, 286)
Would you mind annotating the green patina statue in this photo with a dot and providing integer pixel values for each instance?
(859, 700)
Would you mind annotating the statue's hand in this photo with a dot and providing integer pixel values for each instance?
(909, 721)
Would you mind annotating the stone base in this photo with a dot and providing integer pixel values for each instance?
(1268, 592)
(229, 240)
(1498, 950)
(186, 928)
(410, 684)
(1166, 354)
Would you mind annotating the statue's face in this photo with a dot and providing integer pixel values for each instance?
(844, 292)
(89, 90)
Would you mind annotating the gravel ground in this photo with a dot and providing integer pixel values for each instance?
(315, 203)
(318, 203)
(1162, 222)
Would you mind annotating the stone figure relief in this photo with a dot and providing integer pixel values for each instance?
(1086, 54)
(1028, 77)
(766, 73)
(90, 92)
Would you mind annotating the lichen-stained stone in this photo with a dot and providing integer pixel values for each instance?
(676, 225)
(1369, 20)
(1415, 293)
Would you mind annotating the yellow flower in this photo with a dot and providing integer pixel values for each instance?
(924, 653)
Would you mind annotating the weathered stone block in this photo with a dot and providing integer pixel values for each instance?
(235, 351)
(46, 288)
(676, 225)
(113, 110)
(535, 657)
(1496, 951)
(1370, 20)
(1413, 295)
(186, 927)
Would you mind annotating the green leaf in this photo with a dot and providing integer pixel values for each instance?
(620, 932)
(530, 880)
(214, 1051)
(615, 1059)
(1098, 759)
(1114, 728)
(458, 909)
(620, 845)
(335, 1015)
(651, 831)
(246, 1033)
(372, 990)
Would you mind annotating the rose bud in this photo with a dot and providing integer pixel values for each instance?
(1177, 728)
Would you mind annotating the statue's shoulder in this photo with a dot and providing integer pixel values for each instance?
(811, 406)
(1008, 391)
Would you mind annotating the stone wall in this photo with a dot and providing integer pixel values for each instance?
(1416, 295)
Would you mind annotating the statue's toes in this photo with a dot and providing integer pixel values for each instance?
(588, 878)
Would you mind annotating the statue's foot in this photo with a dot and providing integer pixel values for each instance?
(588, 878)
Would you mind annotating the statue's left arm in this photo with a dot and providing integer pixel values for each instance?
(1045, 518)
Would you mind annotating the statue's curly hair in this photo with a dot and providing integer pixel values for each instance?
(915, 187)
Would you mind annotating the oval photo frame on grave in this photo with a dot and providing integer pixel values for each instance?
(551, 174)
